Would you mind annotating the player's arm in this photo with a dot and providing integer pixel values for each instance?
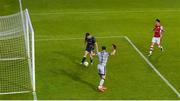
(114, 49)
(161, 35)
(162, 31)
(96, 51)
(95, 44)
(85, 42)
(153, 29)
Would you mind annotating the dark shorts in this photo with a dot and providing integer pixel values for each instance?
(89, 48)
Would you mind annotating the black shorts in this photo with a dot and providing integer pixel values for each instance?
(89, 48)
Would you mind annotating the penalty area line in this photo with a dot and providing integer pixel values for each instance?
(100, 12)
(153, 67)
(64, 39)
(133, 45)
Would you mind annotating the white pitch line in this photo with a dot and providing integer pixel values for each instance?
(132, 44)
(102, 12)
(14, 92)
(153, 67)
(10, 59)
(34, 96)
(64, 39)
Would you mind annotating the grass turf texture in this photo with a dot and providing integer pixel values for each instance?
(58, 73)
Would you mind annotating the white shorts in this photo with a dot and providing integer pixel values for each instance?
(156, 40)
(101, 69)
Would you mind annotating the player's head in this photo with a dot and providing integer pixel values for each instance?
(103, 48)
(157, 22)
(87, 35)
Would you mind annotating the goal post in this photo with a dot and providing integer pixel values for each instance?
(29, 29)
(30, 43)
(17, 54)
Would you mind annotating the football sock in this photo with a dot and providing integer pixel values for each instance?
(160, 47)
(101, 83)
(91, 60)
(151, 50)
(83, 59)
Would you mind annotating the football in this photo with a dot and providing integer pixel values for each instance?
(86, 64)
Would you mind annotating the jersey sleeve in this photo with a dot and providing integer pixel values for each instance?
(98, 53)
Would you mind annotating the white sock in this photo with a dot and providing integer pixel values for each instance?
(150, 52)
(101, 83)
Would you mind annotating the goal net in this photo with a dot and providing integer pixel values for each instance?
(17, 69)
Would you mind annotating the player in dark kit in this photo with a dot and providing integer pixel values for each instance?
(91, 44)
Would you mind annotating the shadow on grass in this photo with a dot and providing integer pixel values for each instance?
(71, 74)
(70, 57)
(75, 77)
(156, 58)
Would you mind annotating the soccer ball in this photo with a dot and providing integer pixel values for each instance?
(86, 63)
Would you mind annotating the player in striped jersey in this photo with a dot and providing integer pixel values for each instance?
(103, 58)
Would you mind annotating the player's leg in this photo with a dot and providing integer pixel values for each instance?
(101, 83)
(152, 46)
(87, 51)
(84, 57)
(104, 77)
(101, 71)
(91, 57)
(92, 54)
(159, 44)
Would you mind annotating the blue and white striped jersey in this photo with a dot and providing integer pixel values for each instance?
(103, 57)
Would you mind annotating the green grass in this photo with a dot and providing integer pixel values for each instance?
(58, 73)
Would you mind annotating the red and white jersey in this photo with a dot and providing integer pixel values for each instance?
(157, 31)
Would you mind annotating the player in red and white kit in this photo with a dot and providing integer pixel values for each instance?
(158, 29)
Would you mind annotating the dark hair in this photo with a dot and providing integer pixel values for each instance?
(158, 20)
(103, 48)
(86, 35)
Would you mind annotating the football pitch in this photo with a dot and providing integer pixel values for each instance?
(60, 26)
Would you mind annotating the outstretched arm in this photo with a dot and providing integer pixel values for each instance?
(97, 49)
(114, 49)
(162, 31)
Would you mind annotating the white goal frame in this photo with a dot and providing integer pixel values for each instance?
(31, 57)
(30, 50)
(27, 27)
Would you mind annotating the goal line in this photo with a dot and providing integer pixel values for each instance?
(135, 48)
(11, 59)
